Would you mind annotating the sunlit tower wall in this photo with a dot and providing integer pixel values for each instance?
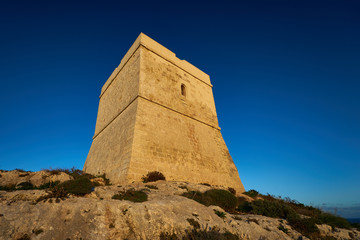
(157, 113)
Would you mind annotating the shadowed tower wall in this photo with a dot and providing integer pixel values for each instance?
(157, 113)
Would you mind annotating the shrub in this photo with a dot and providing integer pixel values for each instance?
(282, 228)
(193, 223)
(48, 185)
(271, 209)
(306, 226)
(183, 187)
(131, 195)
(24, 237)
(251, 193)
(25, 186)
(356, 225)
(217, 197)
(153, 177)
(79, 186)
(7, 188)
(204, 234)
(58, 192)
(237, 218)
(220, 214)
(37, 231)
(333, 221)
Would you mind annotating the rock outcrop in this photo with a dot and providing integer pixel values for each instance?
(16, 177)
(98, 216)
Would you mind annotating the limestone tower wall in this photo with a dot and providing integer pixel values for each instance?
(157, 113)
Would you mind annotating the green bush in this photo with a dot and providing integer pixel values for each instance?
(282, 228)
(37, 231)
(79, 186)
(48, 185)
(306, 226)
(272, 209)
(204, 234)
(25, 186)
(356, 225)
(131, 195)
(251, 193)
(153, 177)
(183, 187)
(278, 208)
(217, 197)
(220, 214)
(333, 221)
(58, 192)
(8, 188)
(24, 237)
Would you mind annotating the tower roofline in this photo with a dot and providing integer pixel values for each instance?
(152, 45)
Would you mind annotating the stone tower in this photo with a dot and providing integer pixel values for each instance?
(157, 113)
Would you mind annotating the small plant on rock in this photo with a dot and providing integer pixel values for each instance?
(37, 231)
(25, 186)
(282, 228)
(153, 177)
(220, 214)
(193, 223)
(183, 187)
(131, 195)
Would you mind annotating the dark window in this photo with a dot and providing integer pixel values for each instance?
(183, 90)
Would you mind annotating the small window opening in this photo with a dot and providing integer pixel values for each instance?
(183, 90)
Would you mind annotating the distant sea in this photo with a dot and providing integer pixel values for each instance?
(354, 220)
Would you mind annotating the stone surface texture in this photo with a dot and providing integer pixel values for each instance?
(98, 216)
(146, 124)
(14, 178)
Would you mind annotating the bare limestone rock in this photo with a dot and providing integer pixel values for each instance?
(15, 177)
(337, 232)
(98, 216)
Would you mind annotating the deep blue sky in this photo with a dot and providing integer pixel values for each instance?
(286, 78)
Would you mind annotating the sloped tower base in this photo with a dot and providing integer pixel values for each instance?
(157, 113)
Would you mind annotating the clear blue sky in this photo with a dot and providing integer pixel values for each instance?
(286, 78)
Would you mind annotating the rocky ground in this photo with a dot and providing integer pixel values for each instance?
(98, 216)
